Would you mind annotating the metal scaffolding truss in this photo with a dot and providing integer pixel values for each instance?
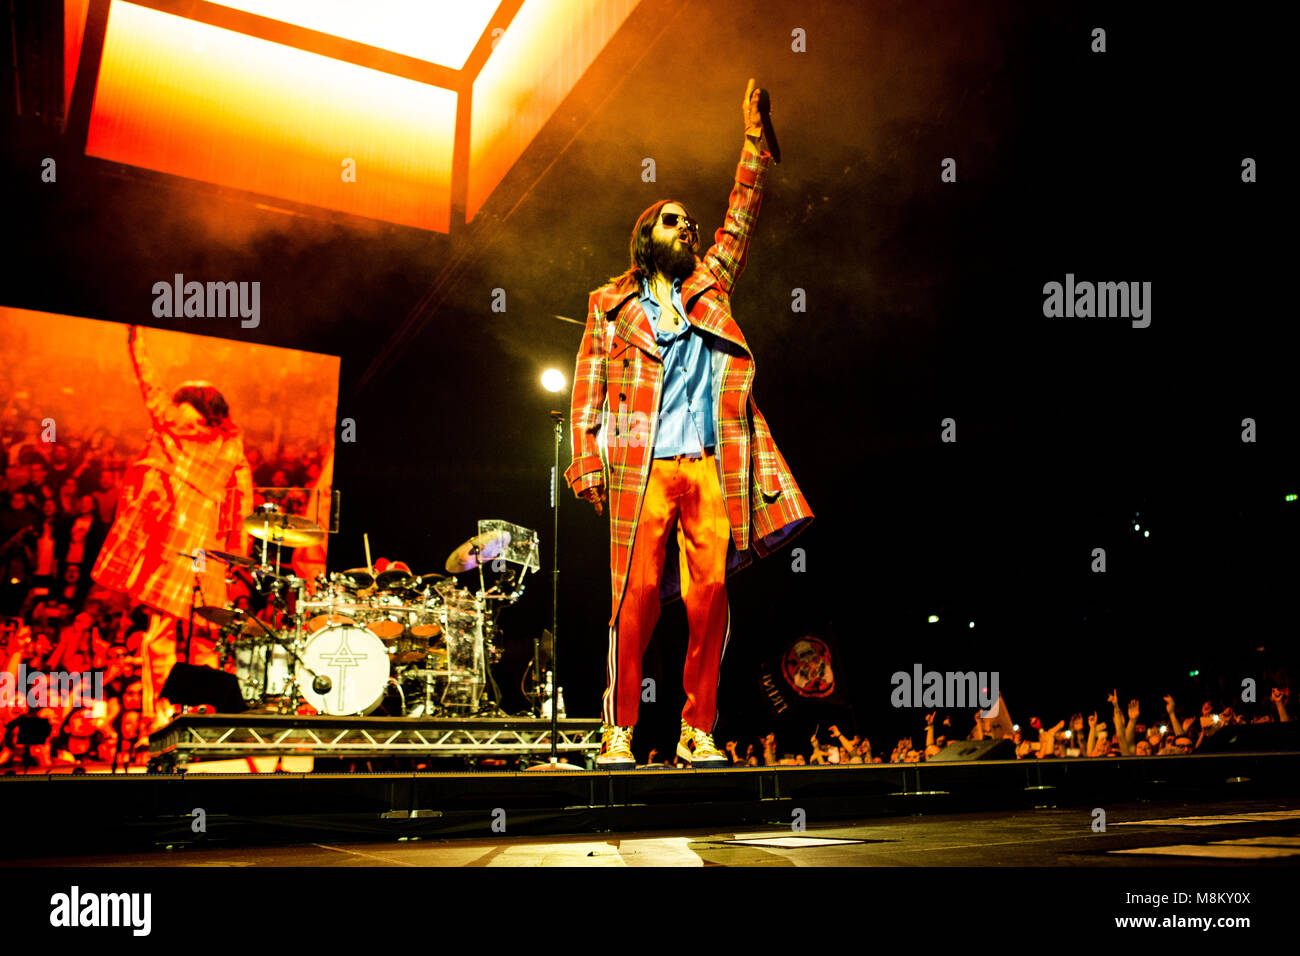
(234, 735)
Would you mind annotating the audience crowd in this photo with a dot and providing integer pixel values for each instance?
(1164, 731)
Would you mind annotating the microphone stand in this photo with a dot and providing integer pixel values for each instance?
(195, 598)
(557, 418)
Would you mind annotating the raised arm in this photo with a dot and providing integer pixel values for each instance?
(156, 399)
(1117, 717)
(1130, 728)
(1174, 722)
(1279, 701)
(587, 470)
(726, 257)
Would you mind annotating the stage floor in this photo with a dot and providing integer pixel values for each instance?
(1230, 834)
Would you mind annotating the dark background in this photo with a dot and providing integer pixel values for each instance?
(924, 302)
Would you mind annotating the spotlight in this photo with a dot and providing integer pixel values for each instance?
(933, 619)
(553, 380)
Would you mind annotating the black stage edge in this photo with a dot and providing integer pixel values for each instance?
(91, 813)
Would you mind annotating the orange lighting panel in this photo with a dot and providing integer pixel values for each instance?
(193, 100)
(74, 29)
(539, 59)
(438, 31)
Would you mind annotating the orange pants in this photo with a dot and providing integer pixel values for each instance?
(685, 490)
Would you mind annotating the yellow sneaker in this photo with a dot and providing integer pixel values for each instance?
(615, 748)
(697, 746)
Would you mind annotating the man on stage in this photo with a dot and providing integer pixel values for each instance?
(665, 427)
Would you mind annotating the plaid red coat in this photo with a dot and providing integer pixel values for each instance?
(191, 485)
(618, 386)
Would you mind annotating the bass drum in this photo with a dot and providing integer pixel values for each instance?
(354, 660)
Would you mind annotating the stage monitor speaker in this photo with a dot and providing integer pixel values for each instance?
(1244, 738)
(191, 685)
(1000, 749)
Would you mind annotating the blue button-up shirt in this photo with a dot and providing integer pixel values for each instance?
(686, 408)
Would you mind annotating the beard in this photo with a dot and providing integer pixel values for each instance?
(675, 259)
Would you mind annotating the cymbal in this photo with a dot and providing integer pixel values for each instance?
(292, 531)
(415, 584)
(477, 550)
(229, 617)
(392, 580)
(358, 579)
(234, 560)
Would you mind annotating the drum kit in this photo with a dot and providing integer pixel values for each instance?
(372, 639)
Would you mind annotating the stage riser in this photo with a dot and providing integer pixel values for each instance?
(193, 738)
(87, 814)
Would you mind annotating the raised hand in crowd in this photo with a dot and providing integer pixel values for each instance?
(1279, 701)
(1117, 716)
(1047, 739)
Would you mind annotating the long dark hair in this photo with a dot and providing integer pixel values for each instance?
(209, 403)
(639, 260)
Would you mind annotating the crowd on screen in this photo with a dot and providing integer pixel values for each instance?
(59, 500)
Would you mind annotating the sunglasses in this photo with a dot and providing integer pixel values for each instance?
(669, 219)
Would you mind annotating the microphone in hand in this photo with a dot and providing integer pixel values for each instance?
(765, 115)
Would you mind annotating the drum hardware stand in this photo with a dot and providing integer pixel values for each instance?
(489, 647)
(321, 683)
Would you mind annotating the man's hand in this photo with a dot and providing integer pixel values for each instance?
(595, 494)
(749, 111)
